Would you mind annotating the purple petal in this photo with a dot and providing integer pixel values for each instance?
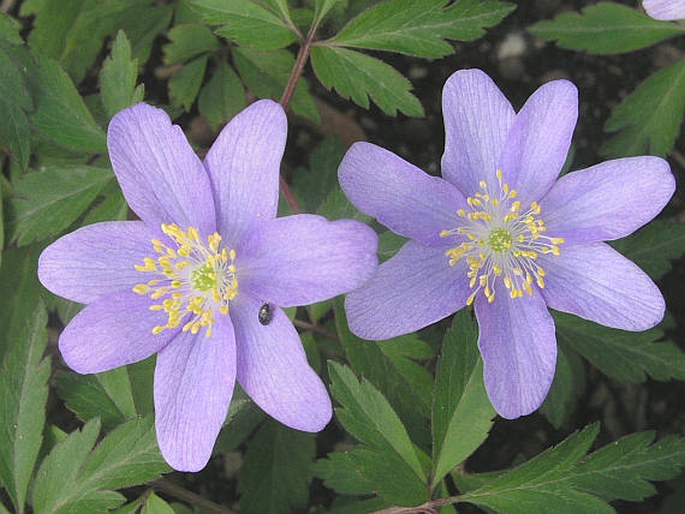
(519, 352)
(607, 201)
(113, 331)
(477, 120)
(298, 260)
(243, 166)
(597, 283)
(412, 290)
(96, 260)
(398, 194)
(273, 368)
(538, 142)
(665, 9)
(161, 177)
(194, 381)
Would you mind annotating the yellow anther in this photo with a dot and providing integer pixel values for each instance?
(141, 288)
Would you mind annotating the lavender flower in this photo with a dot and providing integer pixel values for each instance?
(665, 9)
(499, 231)
(193, 279)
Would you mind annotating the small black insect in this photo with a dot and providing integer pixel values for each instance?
(265, 314)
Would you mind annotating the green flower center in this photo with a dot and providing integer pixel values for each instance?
(499, 240)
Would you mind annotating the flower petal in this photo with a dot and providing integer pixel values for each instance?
(194, 381)
(113, 331)
(477, 120)
(298, 260)
(273, 368)
(161, 177)
(95, 260)
(609, 200)
(597, 283)
(665, 9)
(538, 142)
(412, 290)
(398, 194)
(243, 166)
(519, 352)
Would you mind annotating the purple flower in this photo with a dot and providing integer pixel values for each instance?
(499, 231)
(202, 278)
(665, 9)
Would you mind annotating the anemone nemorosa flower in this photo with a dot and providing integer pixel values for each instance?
(202, 278)
(665, 9)
(500, 232)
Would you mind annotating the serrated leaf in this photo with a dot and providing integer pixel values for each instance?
(118, 78)
(360, 77)
(74, 479)
(649, 119)
(539, 484)
(420, 27)
(629, 356)
(339, 473)
(107, 395)
(408, 387)
(369, 418)
(23, 396)
(185, 84)
(276, 473)
(622, 469)
(462, 413)
(15, 103)
(61, 115)
(57, 487)
(266, 74)
(605, 28)
(187, 41)
(654, 247)
(246, 23)
(47, 202)
(222, 97)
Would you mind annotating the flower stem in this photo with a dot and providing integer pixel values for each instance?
(164, 485)
(302, 57)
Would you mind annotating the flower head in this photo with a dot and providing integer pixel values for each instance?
(191, 280)
(665, 9)
(501, 232)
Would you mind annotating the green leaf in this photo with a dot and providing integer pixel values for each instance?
(276, 473)
(359, 77)
(47, 202)
(187, 41)
(392, 368)
(420, 27)
(628, 356)
(246, 23)
(322, 8)
(17, 274)
(222, 97)
(266, 74)
(118, 78)
(9, 30)
(649, 119)
(621, 470)
(540, 485)
(58, 489)
(185, 84)
(107, 395)
(23, 396)
(654, 247)
(61, 115)
(605, 28)
(314, 183)
(339, 473)
(15, 103)
(462, 413)
(74, 479)
(369, 418)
